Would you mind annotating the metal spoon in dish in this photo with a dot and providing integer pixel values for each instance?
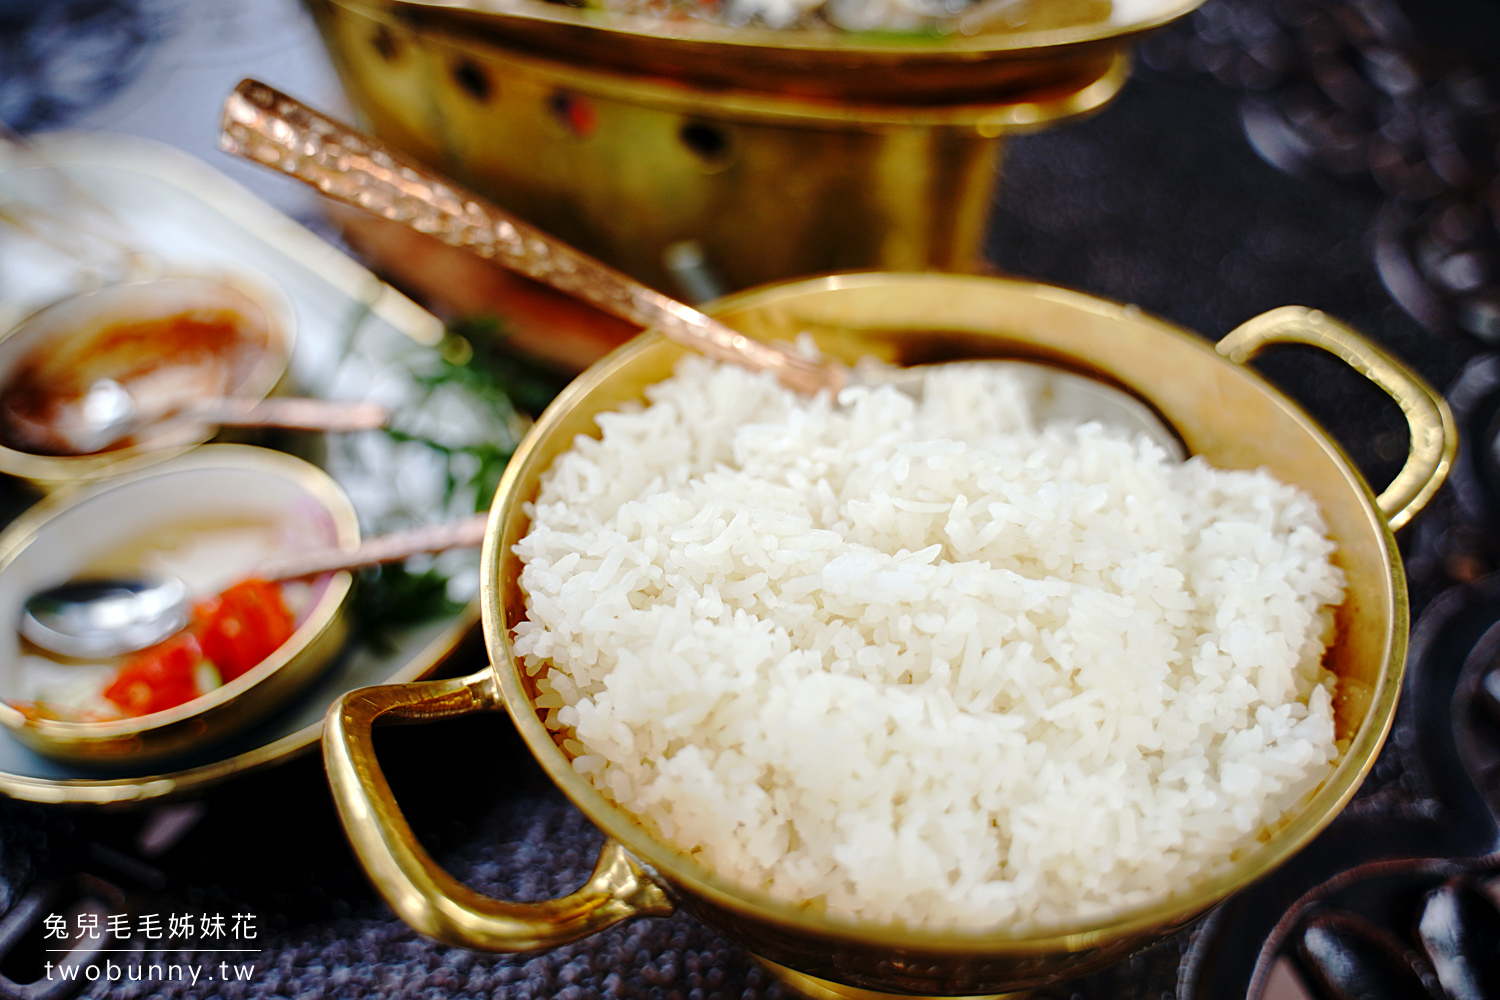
(267, 126)
(108, 413)
(94, 619)
(100, 618)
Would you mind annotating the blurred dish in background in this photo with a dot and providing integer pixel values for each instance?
(937, 16)
(357, 339)
(162, 343)
(155, 359)
(1029, 43)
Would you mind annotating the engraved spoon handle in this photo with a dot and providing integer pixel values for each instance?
(266, 126)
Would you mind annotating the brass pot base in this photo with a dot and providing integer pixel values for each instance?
(761, 184)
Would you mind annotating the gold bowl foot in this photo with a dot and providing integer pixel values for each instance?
(822, 989)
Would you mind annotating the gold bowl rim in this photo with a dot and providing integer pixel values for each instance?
(688, 875)
(989, 115)
(872, 42)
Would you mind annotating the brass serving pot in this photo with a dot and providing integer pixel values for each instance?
(1222, 410)
(773, 153)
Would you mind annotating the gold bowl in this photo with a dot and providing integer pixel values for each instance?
(67, 531)
(265, 322)
(1222, 410)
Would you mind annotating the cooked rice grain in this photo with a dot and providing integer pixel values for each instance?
(923, 662)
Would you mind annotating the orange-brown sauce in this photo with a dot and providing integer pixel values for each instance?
(159, 360)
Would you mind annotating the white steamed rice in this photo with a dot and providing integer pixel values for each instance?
(922, 662)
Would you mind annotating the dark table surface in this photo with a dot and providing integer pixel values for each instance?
(1161, 200)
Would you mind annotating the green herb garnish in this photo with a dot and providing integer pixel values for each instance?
(473, 359)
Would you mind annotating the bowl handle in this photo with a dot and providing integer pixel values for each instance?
(1434, 436)
(420, 892)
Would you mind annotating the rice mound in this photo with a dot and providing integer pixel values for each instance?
(925, 663)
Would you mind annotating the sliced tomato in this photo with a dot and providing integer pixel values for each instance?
(157, 678)
(242, 626)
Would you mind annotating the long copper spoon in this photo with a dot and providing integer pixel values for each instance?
(265, 125)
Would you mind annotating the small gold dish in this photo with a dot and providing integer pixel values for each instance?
(216, 512)
(1221, 409)
(228, 334)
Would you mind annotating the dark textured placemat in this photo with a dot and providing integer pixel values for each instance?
(271, 846)
(1160, 201)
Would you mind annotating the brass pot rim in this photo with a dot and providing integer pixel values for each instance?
(880, 72)
(991, 116)
(331, 498)
(688, 876)
(872, 42)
